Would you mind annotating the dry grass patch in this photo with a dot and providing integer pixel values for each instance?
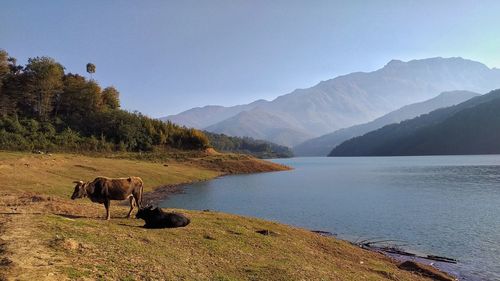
(53, 175)
(215, 246)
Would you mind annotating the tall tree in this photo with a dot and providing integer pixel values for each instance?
(90, 69)
(45, 82)
(111, 97)
(4, 70)
(4, 65)
(80, 98)
(8, 83)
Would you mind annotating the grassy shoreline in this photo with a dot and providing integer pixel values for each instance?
(46, 236)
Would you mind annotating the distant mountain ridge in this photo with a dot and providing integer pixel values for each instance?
(343, 101)
(201, 117)
(323, 145)
(255, 123)
(471, 127)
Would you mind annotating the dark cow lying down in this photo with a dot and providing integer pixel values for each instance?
(156, 218)
(103, 190)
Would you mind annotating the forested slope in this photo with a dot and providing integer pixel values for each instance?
(44, 108)
(472, 127)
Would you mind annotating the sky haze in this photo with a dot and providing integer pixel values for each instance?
(169, 56)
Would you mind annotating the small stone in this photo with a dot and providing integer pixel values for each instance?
(266, 232)
(70, 244)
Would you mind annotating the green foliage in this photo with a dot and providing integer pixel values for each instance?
(7, 104)
(43, 108)
(44, 76)
(246, 145)
(4, 65)
(110, 97)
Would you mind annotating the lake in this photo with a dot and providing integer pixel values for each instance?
(441, 205)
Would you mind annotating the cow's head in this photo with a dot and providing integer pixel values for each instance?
(144, 212)
(79, 191)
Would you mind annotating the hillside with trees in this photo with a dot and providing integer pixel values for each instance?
(471, 127)
(44, 108)
(247, 145)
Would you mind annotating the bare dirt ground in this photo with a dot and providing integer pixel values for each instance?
(23, 255)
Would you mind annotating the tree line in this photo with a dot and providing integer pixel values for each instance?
(44, 108)
(247, 145)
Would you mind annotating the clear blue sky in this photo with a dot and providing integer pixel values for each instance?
(168, 56)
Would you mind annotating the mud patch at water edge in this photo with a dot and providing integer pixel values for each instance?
(161, 193)
(425, 270)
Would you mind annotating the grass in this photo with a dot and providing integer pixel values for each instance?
(214, 247)
(53, 175)
(51, 237)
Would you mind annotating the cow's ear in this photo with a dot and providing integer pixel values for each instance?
(80, 182)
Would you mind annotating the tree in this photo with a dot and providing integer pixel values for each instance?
(4, 70)
(110, 97)
(90, 69)
(11, 86)
(4, 65)
(14, 68)
(79, 99)
(41, 107)
(44, 81)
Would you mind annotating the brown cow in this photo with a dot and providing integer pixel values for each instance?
(103, 190)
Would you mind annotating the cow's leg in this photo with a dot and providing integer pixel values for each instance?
(137, 198)
(131, 198)
(106, 205)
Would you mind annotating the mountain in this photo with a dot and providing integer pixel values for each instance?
(255, 122)
(471, 127)
(201, 117)
(321, 146)
(343, 101)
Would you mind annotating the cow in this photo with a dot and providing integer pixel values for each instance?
(103, 190)
(156, 218)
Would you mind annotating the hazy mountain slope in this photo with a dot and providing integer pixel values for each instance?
(321, 146)
(254, 123)
(201, 117)
(350, 99)
(472, 127)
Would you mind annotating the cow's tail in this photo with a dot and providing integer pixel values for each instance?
(141, 191)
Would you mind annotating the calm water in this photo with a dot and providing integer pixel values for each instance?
(442, 205)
